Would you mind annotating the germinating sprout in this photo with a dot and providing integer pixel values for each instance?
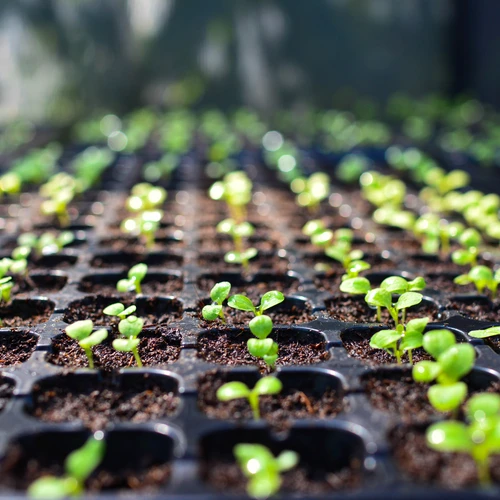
(6, 285)
(382, 190)
(311, 191)
(394, 217)
(130, 328)
(218, 295)
(480, 438)
(134, 279)
(262, 468)
(436, 233)
(46, 244)
(89, 165)
(238, 390)
(81, 331)
(470, 240)
(261, 325)
(452, 362)
(78, 466)
(60, 191)
(119, 310)
(482, 277)
(236, 190)
(238, 231)
(492, 331)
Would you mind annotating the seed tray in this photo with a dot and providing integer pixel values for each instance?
(179, 448)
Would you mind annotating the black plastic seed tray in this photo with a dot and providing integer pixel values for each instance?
(182, 450)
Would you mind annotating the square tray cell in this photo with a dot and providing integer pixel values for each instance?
(128, 259)
(29, 312)
(16, 347)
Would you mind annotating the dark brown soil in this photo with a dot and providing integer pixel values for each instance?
(154, 311)
(118, 244)
(16, 348)
(223, 245)
(230, 348)
(479, 309)
(26, 313)
(157, 347)
(215, 263)
(226, 476)
(39, 284)
(357, 344)
(53, 262)
(126, 260)
(354, 309)
(164, 285)
(279, 411)
(406, 245)
(423, 465)
(96, 403)
(444, 283)
(423, 265)
(319, 261)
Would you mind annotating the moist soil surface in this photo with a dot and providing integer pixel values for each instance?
(320, 262)
(477, 308)
(216, 264)
(225, 476)
(444, 284)
(166, 285)
(230, 348)
(16, 348)
(25, 313)
(423, 465)
(357, 344)
(355, 310)
(152, 310)
(98, 402)
(39, 284)
(157, 347)
(133, 245)
(279, 410)
(52, 262)
(127, 260)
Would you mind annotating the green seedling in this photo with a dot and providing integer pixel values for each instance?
(60, 191)
(394, 217)
(322, 236)
(144, 197)
(396, 285)
(436, 233)
(382, 190)
(355, 286)
(218, 294)
(81, 331)
(261, 325)
(78, 466)
(238, 231)
(483, 279)
(480, 438)
(262, 468)
(89, 165)
(45, 244)
(129, 328)
(452, 362)
(492, 331)
(134, 279)
(119, 310)
(470, 240)
(402, 339)
(443, 182)
(350, 259)
(311, 191)
(236, 190)
(266, 386)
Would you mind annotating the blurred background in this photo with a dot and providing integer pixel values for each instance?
(62, 59)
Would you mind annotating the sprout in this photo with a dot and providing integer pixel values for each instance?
(486, 333)
(261, 325)
(236, 190)
(436, 233)
(453, 361)
(238, 231)
(402, 339)
(470, 239)
(59, 191)
(129, 328)
(311, 191)
(78, 466)
(482, 277)
(394, 217)
(45, 244)
(263, 469)
(350, 259)
(382, 190)
(118, 309)
(134, 279)
(218, 294)
(480, 439)
(355, 286)
(238, 390)
(443, 182)
(81, 331)
(90, 164)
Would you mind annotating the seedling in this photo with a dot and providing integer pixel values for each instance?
(118, 309)
(262, 468)
(311, 191)
(236, 190)
(238, 390)
(89, 165)
(355, 286)
(452, 362)
(261, 325)
(78, 466)
(81, 331)
(382, 190)
(436, 233)
(480, 438)
(60, 191)
(350, 259)
(408, 297)
(402, 339)
(134, 279)
(45, 244)
(482, 277)
(218, 294)
(238, 231)
(130, 328)
(471, 240)
(493, 331)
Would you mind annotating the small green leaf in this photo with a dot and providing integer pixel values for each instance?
(53, 488)
(417, 325)
(385, 339)
(462, 257)
(270, 299)
(412, 340)
(94, 339)
(82, 462)
(395, 284)
(268, 385)
(131, 326)
(232, 390)
(355, 286)
(287, 460)
(379, 297)
(129, 310)
(138, 271)
(241, 302)
(463, 279)
(417, 284)
(488, 332)
(449, 436)
(220, 291)
(226, 226)
(447, 397)
(114, 309)
(481, 274)
(259, 347)
(357, 266)
(125, 285)
(261, 326)
(80, 329)
(322, 238)
(249, 253)
(481, 406)
(211, 312)
(126, 345)
(243, 230)
(408, 299)
(313, 226)
(259, 455)
(426, 371)
(438, 341)
(457, 361)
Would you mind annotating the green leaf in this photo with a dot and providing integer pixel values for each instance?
(356, 254)
(129, 310)
(395, 284)
(131, 326)
(481, 274)
(462, 257)
(337, 252)
(355, 286)
(481, 406)
(417, 284)
(357, 266)
(52, 488)
(438, 341)
(384, 339)
(138, 271)
(125, 285)
(322, 238)
(447, 397)
(126, 345)
(426, 371)
(82, 462)
(408, 299)
(268, 385)
(232, 390)
(220, 291)
(287, 460)
(261, 326)
(226, 226)
(417, 325)
(271, 299)
(379, 297)
(488, 332)
(80, 329)
(211, 312)
(264, 484)
(463, 279)
(94, 339)
(259, 347)
(241, 302)
(457, 361)
(470, 238)
(253, 458)
(313, 226)
(411, 340)
(114, 309)
(249, 253)
(243, 230)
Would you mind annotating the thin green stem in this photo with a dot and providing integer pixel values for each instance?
(90, 357)
(379, 314)
(253, 399)
(137, 357)
(410, 356)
